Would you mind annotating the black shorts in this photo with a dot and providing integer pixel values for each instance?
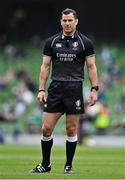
(65, 97)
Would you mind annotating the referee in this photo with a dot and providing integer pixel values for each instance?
(67, 52)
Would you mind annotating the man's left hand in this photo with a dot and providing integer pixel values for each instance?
(93, 98)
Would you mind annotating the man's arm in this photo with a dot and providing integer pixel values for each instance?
(92, 73)
(44, 72)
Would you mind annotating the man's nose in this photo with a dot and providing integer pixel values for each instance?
(67, 22)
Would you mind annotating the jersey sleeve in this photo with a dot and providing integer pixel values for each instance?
(89, 48)
(47, 50)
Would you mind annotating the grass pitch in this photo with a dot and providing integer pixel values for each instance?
(16, 161)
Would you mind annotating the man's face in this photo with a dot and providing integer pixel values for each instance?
(69, 23)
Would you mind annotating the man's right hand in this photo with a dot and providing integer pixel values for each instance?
(41, 96)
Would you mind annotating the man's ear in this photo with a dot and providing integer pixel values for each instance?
(77, 21)
(61, 22)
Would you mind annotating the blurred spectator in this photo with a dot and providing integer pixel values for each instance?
(34, 121)
(86, 127)
(3, 84)
(114, 51)
(12, 52)
(105, 81)
(7, 78)
(23, 94)
(20, 108)
(9, 51)
(22, 74)
(7, 114)
(7, 117)
(115, 71)
(106, 56)
(16, 133)
(102, 96)
(116, 126)
(102, 121)
(121, 106)
(2, 136)
(12, 109)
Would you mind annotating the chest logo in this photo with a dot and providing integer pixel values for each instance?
(75, 44)
(58, 45)
(78, 104)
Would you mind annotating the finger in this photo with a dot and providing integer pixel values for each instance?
(44, 99)
(40, 99)
(93, 103)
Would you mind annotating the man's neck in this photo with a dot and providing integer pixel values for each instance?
(69, 34)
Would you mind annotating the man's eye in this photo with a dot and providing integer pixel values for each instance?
(67, 20)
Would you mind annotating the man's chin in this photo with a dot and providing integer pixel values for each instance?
(68, 31)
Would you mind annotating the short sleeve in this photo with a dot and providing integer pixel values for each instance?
(89, 48)
(47, 50)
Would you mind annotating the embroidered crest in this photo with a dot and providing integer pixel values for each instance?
(78, 104)
(58, 45)
(75, 44)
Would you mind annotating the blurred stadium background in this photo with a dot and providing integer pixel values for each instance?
(24, 25)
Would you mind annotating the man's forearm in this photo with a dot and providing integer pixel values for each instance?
(44, 72)
(92, 72)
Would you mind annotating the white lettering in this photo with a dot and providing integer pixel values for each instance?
(66, 56)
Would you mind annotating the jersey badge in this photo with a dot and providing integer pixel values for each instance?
(78, 104)
(75, 44)
(58, 45)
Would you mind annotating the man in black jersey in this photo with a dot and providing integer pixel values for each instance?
(67, 52)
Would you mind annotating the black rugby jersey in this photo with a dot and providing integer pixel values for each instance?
(68, 56)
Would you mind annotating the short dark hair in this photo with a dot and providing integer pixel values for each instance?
(68, 11)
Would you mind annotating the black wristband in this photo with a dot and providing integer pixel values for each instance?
(41, 90)
(95, 88)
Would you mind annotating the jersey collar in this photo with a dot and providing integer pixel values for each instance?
(62, 36)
